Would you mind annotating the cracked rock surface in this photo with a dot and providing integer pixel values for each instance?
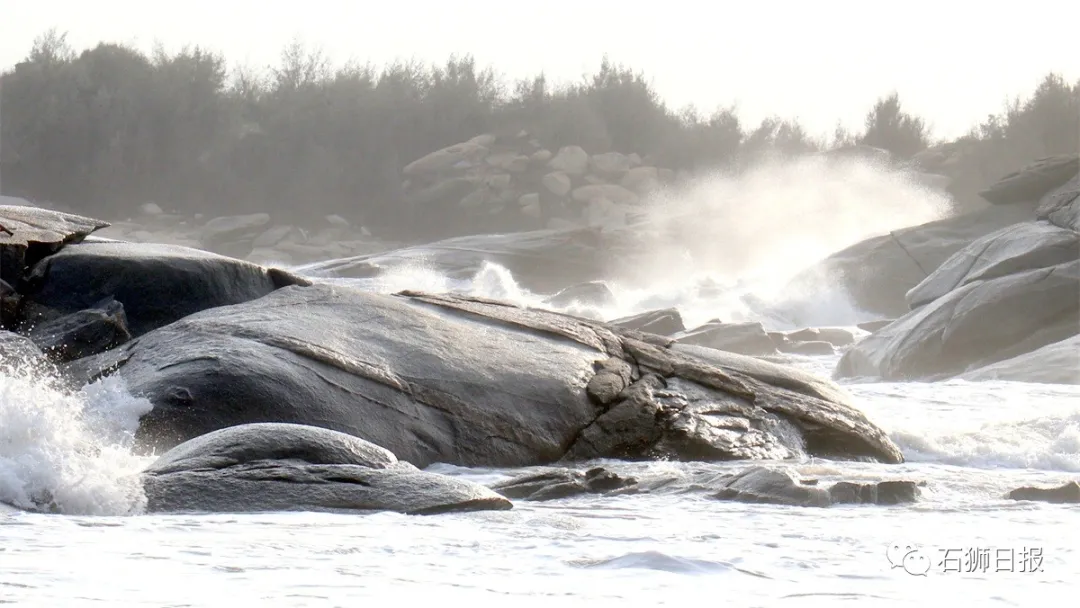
(472, 382)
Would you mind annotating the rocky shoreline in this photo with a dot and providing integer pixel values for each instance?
(364, 388)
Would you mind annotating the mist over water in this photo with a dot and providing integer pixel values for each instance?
(724, 245)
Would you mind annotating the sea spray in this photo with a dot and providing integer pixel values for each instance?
(68, 451)
(724, 246)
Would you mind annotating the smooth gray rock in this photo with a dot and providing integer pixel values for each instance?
(286, 467)
(1033, 181)
(33, 233)
(742, 338)
(1066, 493)
(1016, 248)
(978, 324)
(773, 486)
(593, 293)
(1061, 207)
(439, 378)
(1057, 363)
(878, 272)
(157, 284)
(664, 322)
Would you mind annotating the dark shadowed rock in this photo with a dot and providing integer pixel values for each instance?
(9, 305)
(473, 382)
(284, 467)
(742, 338)
(1033, 181)
(878, 493)
(84, 333)
(1016, 248)
(1066, 493)
(1057, 363)
(593, 293)
(879, 271)
(543, 261)
(664, 322)
(34, 233)
(554, 483)
(978, 324)
(157, 284)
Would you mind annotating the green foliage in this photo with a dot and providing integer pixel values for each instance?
(890, 128)
(110, 128)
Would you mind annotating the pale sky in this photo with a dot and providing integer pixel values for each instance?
(952, 61)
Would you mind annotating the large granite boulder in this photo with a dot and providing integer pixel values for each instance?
(475, 383)
(1016, 248)
(980, 323)
(287, 467)
(156, 284)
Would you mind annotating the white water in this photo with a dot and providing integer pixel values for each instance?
(970, 442)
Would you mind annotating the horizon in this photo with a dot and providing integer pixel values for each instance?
(823, 85)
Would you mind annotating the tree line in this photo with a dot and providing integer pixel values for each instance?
(109, 128)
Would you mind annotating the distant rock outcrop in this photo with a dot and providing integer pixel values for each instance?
(1011, 293)
(515, 183)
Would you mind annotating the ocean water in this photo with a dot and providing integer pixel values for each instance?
(961, 543)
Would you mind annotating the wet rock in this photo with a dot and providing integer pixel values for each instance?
(555, 483)
(157, 284)
(664, 322)
(33, 233)
(772, 486)
(467, 381)
(16, 349)
(879, 493)
(1066, 493)
(83, 333)
(284, 467)
(742, 338)
(9, 305)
